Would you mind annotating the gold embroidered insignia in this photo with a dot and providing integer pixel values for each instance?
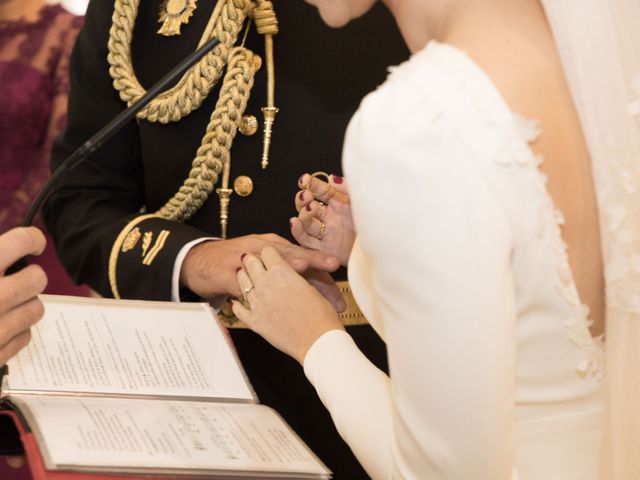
(146, 241)
(159, 245)
(131, 240)
(174, 13)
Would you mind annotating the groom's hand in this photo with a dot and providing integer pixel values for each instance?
(209, 269)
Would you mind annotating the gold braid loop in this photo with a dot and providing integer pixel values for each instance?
(265, 18)
(214, 150)
(189, 93)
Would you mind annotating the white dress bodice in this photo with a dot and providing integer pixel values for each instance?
(461, 268)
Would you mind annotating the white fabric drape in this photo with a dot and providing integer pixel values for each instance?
(599, 46)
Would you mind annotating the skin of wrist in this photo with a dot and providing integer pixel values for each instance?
(192, 272)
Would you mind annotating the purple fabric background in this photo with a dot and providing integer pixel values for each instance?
(33, 77)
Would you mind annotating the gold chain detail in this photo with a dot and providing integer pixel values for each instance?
(189, 93)
(214, 151)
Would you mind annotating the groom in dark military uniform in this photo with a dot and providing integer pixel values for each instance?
(143, 219)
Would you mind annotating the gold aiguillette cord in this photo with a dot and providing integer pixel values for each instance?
(224, 192)
(270, 110)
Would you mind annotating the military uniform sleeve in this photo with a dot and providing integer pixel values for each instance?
(97, 214)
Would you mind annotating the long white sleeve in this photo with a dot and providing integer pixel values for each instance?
(361, 409)
(440, 248)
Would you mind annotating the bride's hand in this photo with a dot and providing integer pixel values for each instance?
(324, 217)
(282, 306)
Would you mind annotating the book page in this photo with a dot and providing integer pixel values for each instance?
(128, 347)
(158, 435)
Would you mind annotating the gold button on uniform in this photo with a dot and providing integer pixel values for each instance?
(243, 186)
(248, 125)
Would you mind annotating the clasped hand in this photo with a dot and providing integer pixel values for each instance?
(209, 269)
(280, 305)
(324, 219)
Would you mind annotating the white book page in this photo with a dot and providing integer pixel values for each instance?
(128, 347)
(132, 434)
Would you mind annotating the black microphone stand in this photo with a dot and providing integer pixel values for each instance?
(105, 133)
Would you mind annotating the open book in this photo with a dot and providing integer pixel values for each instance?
(149, 388)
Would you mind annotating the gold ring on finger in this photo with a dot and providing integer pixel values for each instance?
(323, 210)
(317, 175)
(246, 292)
(323, 227)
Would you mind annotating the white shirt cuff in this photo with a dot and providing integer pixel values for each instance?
(177, 265)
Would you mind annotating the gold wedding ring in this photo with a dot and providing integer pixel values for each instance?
(246, 292)
(321, 232)
(316, 175)
(323, 210)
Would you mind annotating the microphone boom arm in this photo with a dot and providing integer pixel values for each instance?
(105, 133)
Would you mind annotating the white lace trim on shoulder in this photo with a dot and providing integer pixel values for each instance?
(578, 325)
(519, 133)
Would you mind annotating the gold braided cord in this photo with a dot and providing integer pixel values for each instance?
(266, 22)
(213, 155)
(191, 90)
(214, 151)
(271, 76)
(265, 18)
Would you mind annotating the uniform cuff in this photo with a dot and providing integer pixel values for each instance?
(141, 264)
(177, 266)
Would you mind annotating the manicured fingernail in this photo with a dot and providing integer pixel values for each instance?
(302, 196)
(242, 256)
(337, 179)
(308, 207)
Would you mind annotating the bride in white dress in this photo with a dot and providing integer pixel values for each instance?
(495, 189)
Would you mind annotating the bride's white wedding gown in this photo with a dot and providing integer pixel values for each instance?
(461, 268)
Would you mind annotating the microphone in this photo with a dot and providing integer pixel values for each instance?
(104, 134)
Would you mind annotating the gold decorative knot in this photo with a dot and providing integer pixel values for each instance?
(265, 18)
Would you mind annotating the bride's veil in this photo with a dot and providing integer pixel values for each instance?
(599, 46)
